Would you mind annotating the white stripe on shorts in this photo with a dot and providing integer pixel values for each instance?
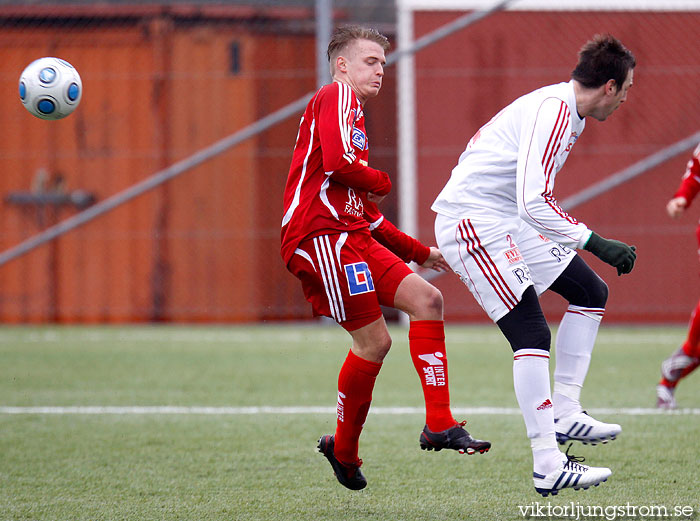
(329, 274)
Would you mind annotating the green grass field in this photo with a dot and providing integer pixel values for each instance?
(234, 463)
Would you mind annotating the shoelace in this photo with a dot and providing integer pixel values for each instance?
(573, 463)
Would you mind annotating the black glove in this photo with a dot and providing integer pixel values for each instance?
(616, 253)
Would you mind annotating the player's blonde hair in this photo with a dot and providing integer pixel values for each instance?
(345, 35)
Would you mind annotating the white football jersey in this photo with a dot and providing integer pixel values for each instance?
(509, 166)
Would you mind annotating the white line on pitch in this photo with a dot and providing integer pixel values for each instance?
(224, 411)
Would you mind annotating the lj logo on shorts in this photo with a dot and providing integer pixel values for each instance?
(359, 278)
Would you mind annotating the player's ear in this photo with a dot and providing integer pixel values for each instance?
(341, 64)
(611, 87)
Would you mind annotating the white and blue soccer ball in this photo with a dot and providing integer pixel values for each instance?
(50, 88)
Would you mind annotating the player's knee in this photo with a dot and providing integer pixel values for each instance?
(381, 347)
(581, 286)
(433, 302)
(533, 337)
(524, 326)
(542, 339)
(598, 294)
(423, 303)
(375, 348)
(592, 294)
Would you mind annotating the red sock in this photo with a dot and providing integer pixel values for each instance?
(687, 370)
(692, 344)
(426, 339)
(668, 383)
(355, 385)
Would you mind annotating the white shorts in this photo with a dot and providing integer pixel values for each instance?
(498, 260)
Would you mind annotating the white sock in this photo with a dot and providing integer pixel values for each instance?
(574, 345)
(546, 460)
(531, 384)
(566, 399)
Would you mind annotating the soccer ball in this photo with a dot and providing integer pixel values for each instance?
(50, 88)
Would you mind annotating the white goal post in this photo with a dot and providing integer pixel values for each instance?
(406, 97)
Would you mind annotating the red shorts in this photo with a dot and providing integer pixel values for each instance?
(347, 276)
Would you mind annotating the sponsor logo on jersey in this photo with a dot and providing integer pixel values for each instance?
(354, 205)
(359, 278)
(513, 255)
(359, 140)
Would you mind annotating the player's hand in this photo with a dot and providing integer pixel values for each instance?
(374, 198)
(676, 206)
(436, 261)
(616, 253)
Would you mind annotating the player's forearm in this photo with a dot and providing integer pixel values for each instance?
(690, 186)
(364, 178)
(403, 245)
(545, 216)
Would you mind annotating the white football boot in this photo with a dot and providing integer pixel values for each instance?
(581, 427)
(570, 474)
(664, 397)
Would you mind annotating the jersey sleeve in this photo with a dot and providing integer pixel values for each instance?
(401, 244)
(690, 183)
(544, 135)
(363, 178)
(337, 106)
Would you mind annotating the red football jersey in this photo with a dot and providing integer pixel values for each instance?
(690, 184)
(329, 176)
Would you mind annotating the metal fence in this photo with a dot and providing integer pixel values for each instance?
(165, 82)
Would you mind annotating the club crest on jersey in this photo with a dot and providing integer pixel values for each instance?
(572, 140)
(359, 140)
(359, 278)
(356, 115)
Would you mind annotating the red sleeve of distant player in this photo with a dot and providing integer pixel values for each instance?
(335, 106)
(384, 232)
(690, 185)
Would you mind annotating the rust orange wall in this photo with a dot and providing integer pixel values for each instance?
(66, 278)
(156, 90)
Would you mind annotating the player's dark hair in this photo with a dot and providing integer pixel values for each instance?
(601, 59)
(342, 36)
